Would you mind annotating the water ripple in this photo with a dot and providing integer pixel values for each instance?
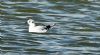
(77, 29)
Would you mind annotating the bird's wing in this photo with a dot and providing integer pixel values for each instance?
(40, 27)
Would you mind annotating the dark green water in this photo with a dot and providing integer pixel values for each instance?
(77, 30)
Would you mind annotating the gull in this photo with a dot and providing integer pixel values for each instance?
(38, 29)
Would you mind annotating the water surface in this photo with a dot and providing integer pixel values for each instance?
(77, 30)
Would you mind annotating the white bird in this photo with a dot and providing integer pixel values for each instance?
(37, 29)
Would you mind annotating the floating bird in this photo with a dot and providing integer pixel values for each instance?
(38, 29)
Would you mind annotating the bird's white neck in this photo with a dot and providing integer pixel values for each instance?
(32, 24)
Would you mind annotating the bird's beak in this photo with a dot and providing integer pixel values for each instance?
(25, 22)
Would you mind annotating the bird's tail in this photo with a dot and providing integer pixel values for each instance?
(52, 25)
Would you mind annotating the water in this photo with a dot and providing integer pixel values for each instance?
(77, 30)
